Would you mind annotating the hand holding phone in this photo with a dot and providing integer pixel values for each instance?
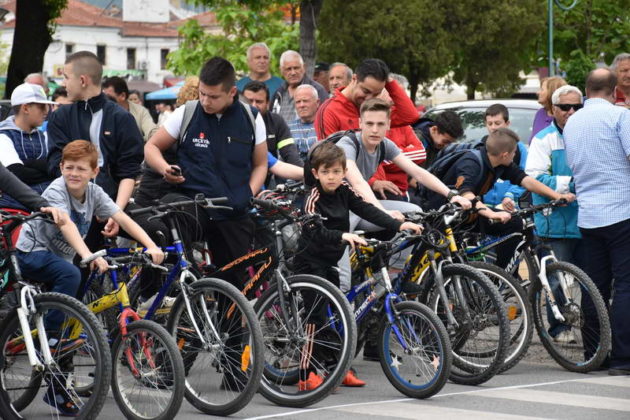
(176, 170)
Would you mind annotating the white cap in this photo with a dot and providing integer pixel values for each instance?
(29, 93)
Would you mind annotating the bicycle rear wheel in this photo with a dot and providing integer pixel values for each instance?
(320, 337)
(223, 374)
(415, 351)
(80, 354)
(518, 308)
(148, 375)
(481, 338)
(587, 340)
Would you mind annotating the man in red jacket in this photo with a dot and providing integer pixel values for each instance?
(341, 112)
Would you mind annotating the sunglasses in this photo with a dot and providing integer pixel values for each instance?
(566, 107)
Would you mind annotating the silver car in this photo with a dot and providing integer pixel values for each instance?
(472, 113)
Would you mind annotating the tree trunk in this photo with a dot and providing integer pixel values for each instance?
(471, 87)
(309, 14)
(413, 86)
(30, 41)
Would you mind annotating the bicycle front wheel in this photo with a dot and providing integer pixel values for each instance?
(481, 335)
(148, 375)
(223, 371)
(308, 331)
(582, 340)
(415, 351)
(81, 358)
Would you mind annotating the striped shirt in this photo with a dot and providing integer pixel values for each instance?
(304, 136)
(597, 142)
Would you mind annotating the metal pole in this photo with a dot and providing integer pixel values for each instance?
(550, 41)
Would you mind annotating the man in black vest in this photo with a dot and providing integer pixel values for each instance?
(220, 153)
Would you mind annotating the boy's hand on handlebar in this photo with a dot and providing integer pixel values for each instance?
(157, 255)
(508, 204)
(58, 215)
(570, 197)
(501, 216)
(396, 215)
(353, 239)
(462, 201)
(99, 264)
(417, 229)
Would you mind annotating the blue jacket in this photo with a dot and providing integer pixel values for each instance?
(547, 162)
(502, 189)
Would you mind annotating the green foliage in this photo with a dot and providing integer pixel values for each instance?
(493, 41)
(410, 36)
(577, 68)
(55, 7)
(241, 27)
(598, 28)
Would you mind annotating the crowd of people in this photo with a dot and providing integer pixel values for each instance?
(231, 138)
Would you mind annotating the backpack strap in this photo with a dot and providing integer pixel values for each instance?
(250, 114)
(189, 111)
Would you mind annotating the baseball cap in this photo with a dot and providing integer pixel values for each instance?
(29, 93)
(321, 66)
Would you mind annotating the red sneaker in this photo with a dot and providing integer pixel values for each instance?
(352, 380)
(312, 382)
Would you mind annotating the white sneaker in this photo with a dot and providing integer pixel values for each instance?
(565, 337)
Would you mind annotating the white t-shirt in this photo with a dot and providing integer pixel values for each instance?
(174, 123)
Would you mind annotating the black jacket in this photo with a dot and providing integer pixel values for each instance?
(277, 132)
(21, 192)
(120, 140)
(321, 242)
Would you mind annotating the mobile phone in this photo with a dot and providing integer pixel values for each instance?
(176, 171)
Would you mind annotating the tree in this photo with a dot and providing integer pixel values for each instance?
(33, 32)
(410, 36)
(241, 27)
(493, 42)
(256, 15)
(600, 29)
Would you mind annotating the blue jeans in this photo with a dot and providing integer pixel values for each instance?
(59, 274)
(570, 250)
(608, 251)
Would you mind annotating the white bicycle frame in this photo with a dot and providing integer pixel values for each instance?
(26, 309)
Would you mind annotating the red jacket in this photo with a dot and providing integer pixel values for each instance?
(408, 143)
(339, 113)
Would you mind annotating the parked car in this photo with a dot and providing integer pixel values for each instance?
(522, 112)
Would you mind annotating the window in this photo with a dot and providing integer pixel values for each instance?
(101, 54)
(131, 58)
(69, 49)
(163, 58)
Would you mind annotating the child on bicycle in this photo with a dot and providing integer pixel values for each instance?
(323, 244)
(45, 251)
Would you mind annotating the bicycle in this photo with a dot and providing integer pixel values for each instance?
(558, 291)
(465, 300)
(214, 325)
(413, 345)
(300, 315)
(49, 337)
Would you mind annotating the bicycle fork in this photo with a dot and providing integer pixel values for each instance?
(26, 308)
(544, 281)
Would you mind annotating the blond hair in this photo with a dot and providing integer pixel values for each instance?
(188, 92)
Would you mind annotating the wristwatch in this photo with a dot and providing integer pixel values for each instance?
(451, 194)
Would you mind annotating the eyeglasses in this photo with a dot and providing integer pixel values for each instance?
(566, 107)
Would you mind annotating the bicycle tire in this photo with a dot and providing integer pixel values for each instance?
(93, 345)
(519, 311)
(435, 347)
(580, 362)
(474, 366)
(167, 374)
(275, 333)
(178, 325)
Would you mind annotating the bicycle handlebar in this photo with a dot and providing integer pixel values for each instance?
(535, 209)
(211, 203)
(23, 218)
(98, 254)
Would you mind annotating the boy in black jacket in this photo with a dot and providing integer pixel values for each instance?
(322, 244)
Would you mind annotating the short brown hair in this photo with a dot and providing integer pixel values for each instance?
(376, 104)
(86, 63)
(327, 154)
(80, 149)
(501, 141)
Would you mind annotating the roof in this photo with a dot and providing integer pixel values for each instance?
(78, 13)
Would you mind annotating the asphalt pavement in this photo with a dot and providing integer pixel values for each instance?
(535, 388)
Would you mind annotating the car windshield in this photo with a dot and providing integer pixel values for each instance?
(475, 128)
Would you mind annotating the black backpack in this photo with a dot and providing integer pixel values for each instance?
(309, 179)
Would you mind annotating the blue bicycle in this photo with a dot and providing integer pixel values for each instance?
(413, 344)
